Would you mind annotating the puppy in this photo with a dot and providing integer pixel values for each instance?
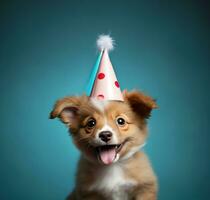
(109, 135)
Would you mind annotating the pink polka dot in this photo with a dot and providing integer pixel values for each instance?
(116, 84)
(100, 96)
(101, 75)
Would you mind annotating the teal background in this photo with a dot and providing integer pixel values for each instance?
(47, 51)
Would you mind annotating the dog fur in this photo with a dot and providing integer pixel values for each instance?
(129, 176)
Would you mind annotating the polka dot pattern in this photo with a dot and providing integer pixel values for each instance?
(101, 76)
(100, 96)
(105, 84)
(117, 84)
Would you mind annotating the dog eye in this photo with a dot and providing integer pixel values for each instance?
(91, 123)
(120, 121)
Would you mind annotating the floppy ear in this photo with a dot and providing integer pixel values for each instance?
(67, 109)
(140, 103)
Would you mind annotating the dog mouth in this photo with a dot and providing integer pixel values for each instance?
(108, 153)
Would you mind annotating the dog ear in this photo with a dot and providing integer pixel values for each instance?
(140, 103)
(67, 109)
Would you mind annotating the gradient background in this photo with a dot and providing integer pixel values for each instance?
(47, 52)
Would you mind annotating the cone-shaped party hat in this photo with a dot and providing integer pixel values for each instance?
(103, 83)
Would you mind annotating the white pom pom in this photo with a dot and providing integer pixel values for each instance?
(105, 42)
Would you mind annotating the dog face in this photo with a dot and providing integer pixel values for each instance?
(106, 131)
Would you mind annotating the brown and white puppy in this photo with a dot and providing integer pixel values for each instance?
(109, 135)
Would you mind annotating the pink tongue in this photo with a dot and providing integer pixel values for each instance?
(107, 156)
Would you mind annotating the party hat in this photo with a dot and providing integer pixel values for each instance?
(103, 83)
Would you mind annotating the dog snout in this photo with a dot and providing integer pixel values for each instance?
(105, 136)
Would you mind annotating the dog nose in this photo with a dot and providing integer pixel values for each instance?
(105, 136)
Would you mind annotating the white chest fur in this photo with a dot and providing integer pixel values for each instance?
(112, 182)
